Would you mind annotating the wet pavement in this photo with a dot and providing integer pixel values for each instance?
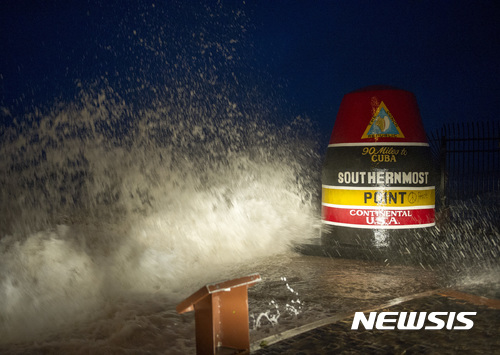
(335, 336)
(312, 300)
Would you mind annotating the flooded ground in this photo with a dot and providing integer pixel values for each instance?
(295, 290)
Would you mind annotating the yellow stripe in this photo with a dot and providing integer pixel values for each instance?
(379, 197)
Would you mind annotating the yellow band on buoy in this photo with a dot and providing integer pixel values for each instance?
(384, 196)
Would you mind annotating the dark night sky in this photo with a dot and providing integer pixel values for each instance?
(312, 52)
(447, 56)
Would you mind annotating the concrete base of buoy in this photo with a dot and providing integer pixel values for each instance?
(410, 250)
(412, 246)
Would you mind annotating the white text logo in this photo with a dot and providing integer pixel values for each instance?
(414, 320)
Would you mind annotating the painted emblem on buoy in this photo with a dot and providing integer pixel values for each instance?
(382, 124)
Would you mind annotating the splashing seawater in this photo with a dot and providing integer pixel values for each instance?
(164, 170)
(292, 305)
(96, 204)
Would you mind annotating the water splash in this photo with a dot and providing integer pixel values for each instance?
(99, 201)
(171, 162)
(290, 306)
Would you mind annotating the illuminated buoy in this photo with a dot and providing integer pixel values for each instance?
(378, 176)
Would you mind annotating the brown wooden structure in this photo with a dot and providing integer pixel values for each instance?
(221, 315)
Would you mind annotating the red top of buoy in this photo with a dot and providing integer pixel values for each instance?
(378, 114)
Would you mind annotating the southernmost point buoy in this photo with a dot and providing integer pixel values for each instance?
(378, 188)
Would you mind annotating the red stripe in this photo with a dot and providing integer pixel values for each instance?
(377, 217)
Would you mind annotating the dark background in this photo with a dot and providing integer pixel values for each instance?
(308, 53)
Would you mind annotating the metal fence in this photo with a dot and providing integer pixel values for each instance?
(468, 156)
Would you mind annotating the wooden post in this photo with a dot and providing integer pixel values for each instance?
(221, 315)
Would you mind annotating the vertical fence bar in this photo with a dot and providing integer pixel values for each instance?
(462, 143)
(451, 160)
(491, 135)
(479, 156)
(465, 141)
(484, 148)
(443, 168)
(495, 155)
(457, 157)
(491, 157)
(456, 133)
(475, 158)
(472, 156)
(487, 160)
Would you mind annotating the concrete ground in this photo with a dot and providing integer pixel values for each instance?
(336, 337)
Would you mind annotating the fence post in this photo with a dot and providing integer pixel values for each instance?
(442, 153)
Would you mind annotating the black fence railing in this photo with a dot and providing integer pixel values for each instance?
(468, 156)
